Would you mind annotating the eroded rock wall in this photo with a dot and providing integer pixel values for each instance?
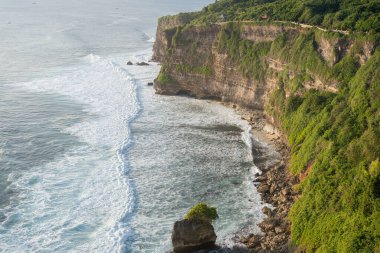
(193, 65)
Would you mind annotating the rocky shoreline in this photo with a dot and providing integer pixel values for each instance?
(222, 82)
(275, 184)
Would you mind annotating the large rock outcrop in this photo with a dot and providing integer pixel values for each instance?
(191, 235)
(193, 64)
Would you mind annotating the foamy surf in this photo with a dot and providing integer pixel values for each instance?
(80, 202)
(76, 179)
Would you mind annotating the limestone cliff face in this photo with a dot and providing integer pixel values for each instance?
(224, 82)
(192, 63)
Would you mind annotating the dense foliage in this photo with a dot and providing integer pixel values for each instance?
(353, 15)
(334, 137)
(202, 211)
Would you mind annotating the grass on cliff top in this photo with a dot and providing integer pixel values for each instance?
(353, 15)
(335, 138)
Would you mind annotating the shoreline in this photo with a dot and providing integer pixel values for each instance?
(271, 155)
(275, 183)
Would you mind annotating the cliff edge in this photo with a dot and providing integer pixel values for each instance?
(320, 88)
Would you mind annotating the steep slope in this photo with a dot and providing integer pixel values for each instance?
(321, 88)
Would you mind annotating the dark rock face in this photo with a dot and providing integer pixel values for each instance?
(192, 235)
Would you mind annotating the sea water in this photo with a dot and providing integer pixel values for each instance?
(91, 159)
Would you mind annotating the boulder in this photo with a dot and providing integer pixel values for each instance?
(266, 210)
(191, 235)
(285, 191)
(142, 64)
(268, 224)
(273, 188)
(129, 63)
(260, 179)
(279, 230)
(150, 83)
(263, 188)
(282, 198)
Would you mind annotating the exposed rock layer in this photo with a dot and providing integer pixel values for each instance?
(224, 81)
(192, 235)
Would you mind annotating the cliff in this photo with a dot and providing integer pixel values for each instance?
(320, 88)
(201, 61)
(195, 61)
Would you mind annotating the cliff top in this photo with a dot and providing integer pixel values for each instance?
(342, 15)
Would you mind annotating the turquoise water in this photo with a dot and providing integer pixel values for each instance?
(91, 160)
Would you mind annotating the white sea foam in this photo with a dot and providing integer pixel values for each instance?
(152, 39)
(254, 211)
(80, 200)
(86, 201)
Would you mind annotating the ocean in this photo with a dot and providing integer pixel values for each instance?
(91, 159)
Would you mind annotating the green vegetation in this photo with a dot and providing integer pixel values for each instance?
(177, 36)
(202, 211)
(181, 18)
(353, 15)
(301, 53)
(164, 78)
(186, 68)
(336, 138)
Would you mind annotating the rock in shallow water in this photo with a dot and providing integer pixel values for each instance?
(190, 235)
(142, 64)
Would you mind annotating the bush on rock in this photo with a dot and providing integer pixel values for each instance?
(202, 211)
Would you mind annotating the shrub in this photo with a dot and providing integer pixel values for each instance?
(202, 211)
(363, 16)
(164, 78)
